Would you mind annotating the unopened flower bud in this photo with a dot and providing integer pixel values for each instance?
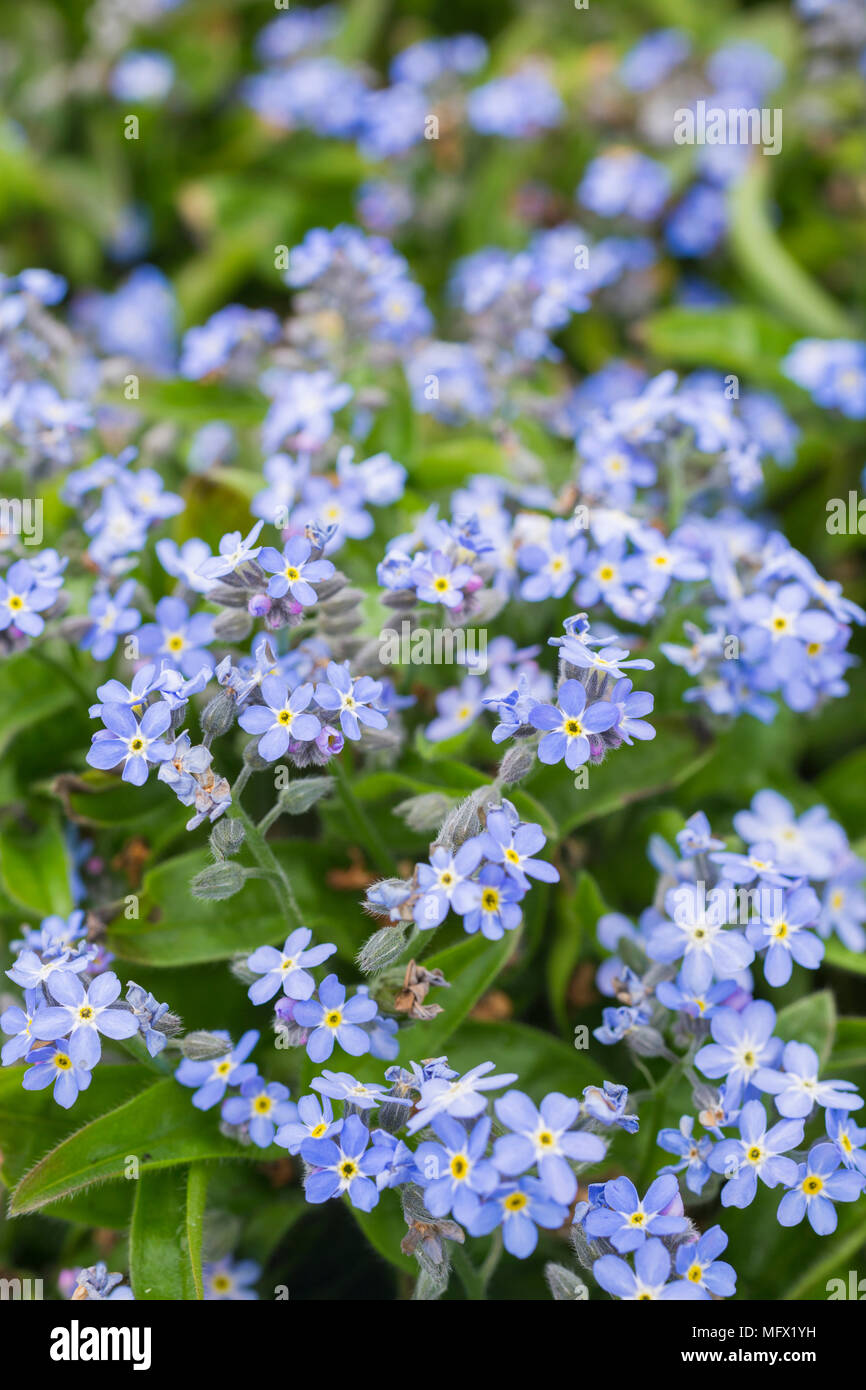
(227, 837)
(425, 812)
(218, 881)
(259, 605)
(516, 764)
(201, 1046)
(564, 1284)
(218, 714)
(381, 950)
(233, 625)
(303, 793)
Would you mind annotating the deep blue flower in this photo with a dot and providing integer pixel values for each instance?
(52, 1064)
(818, 1184)
(519, 1208)
(626, 1219)
(454, 1171)
(344, 1164)
(261, 1107)
(333, 1020)
(212, 1078)
(648, 1279)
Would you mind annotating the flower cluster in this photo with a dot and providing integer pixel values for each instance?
(687, 969)
(481, 877)
(71, 1002)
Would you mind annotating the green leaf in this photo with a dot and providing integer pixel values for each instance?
(177, 929)
(739, 339)
(470, 967)
(449, 463)
(838, 955)
(28, 694)
(166, 1234)
(103, 801)
(627, 776)
(543, 1063)
(385, 1227)
(35, 869)
(577, 912)
(763, 259)
(160, 1128)
(811, 1020)
(849, 1049)
(836, 1256)
(32, 1124)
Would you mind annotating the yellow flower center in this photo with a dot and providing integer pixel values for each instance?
(333, 1019)
(516, 1201)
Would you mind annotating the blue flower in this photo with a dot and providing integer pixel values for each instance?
(83, 1014)
(53, 1064)
(178, 638)
(314, 1120)
(455, 1173)
(212, 1078)
(233, 551)
(607, 1105)
(281, 718)
(261, 1107)
(544, 1137)
(698, 933)
(287, 969)
(834, 373)
(797, 1088)
(457, 709)
(626, 1220)
(344, 1164)
(781, 928)
(809, 846)
(229, 1280)
(148, 1012)
(332, 1020)
(841, 1129)
(552, 566)
(648, 1279)
(445, 882)
(341, 1085)
(437, 579)
(757, 1154)
(693, 1153)
(353, 698)
(95, 1282)
(697, 1264)
(742, 1042)
(294, 572)
(443, 1092)
(112, 618)
(513, 844)
(519, 1208)
(818, 1184)
(491, 904)
(123, 740)
(15, 1022)
(567, 724)
(23, 598)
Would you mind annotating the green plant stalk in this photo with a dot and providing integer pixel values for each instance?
(775, 274)
(366, 834)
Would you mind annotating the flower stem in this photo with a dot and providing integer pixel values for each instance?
(363, 828)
